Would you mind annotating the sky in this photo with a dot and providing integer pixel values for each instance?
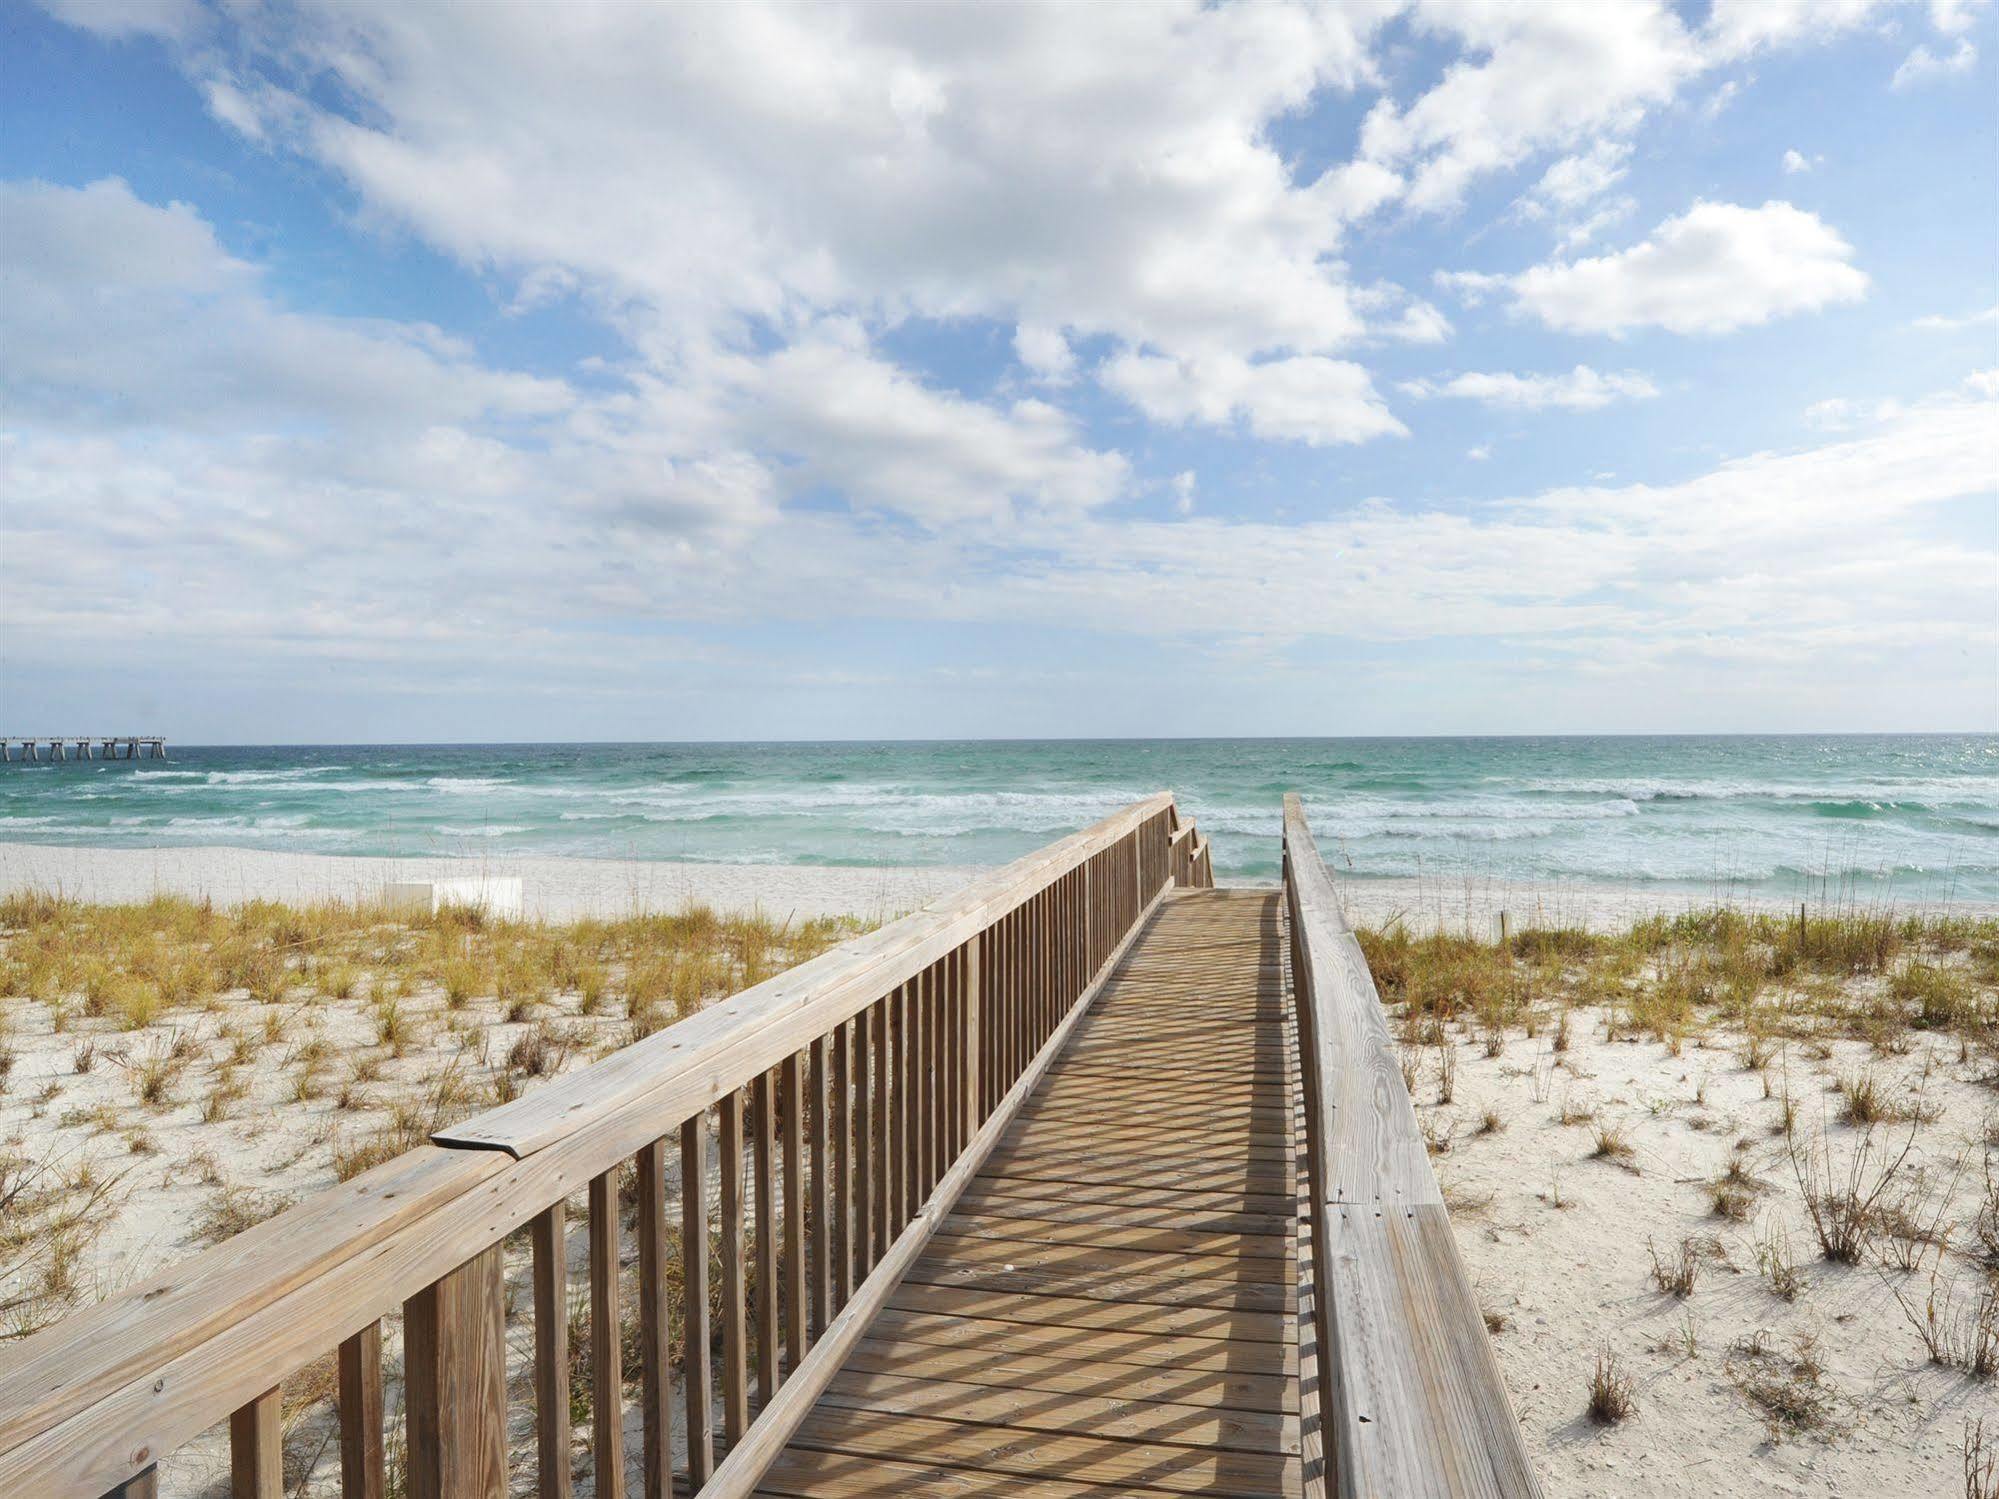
(373, 371)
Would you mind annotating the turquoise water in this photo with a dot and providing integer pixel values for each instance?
(1914, 815)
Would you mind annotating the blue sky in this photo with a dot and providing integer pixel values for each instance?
(371, 371)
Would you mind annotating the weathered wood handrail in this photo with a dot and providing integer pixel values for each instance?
(866, 1087)
(1410, 1396)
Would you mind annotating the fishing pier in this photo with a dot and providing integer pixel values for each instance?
(83, 747)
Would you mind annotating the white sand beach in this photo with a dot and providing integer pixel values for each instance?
(556, 889)
(566, 889)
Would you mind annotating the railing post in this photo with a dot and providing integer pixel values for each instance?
(455, 1365)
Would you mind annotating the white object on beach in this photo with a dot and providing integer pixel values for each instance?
(496, 897)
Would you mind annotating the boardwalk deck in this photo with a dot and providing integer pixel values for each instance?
(1056, 1156)
(1112, 1302)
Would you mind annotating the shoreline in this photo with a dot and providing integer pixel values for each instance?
(567, 888)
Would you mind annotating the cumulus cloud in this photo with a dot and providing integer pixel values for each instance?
(1307, 398)
(1581, 389)
(1717, 267)
(125, 319)
(1548, 75)
(1738, 27)
(1922, 64)
(713, 170)
(1045, 352)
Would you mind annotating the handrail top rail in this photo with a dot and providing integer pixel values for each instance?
(505, 1163)
(809, 999)
(1410, 1391)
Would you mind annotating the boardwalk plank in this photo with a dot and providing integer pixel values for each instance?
(1111, 1304)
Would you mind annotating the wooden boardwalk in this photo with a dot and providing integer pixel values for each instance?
(1112, 1303)
(1056, 1157)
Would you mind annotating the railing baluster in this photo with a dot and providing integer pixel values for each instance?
(551, 1351)
(907, 1051)
(935, 1109)
(974, 1042)
(454, 1382)
(695, 1375)
(735, 1334)
(792, 1107)
(864, 1150)
(607, 1382)
(655, 1333)
(763, 1141)
(256, 1449)
(920, 1116)
(843, 1166)
(884, 1126)
(363, 1473)
(820, 1150)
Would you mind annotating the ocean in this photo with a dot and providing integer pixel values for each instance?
(1899, 816)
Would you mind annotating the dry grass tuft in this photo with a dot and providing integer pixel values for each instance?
(1611, 1397)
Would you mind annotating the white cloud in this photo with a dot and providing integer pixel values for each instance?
(1571, 194)
(1944, 323)
(1045, 352)
(1717, 267)
(1574, 180)
(1843, 414)
(1306, 398)
(119, 19)
(1548, 75)
(1480, 453)
(103, 290)
(1581, 389)
(858, 423)
(1414, 320)
(1738, 27)
(710, 170)
(1796, 161)
(1921, 64)
(1184, 485)
(1418, 323)
(1953, 16)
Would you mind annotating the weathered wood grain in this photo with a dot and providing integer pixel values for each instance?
(551, 1351)
(363, 1471)
(1412, 1402)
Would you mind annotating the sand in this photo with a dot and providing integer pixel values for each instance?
(563, 889)
(1559, 1242)
(557, 889)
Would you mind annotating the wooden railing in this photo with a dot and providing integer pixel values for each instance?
(1187, 852)
(865, 1086)
(1410, 1397)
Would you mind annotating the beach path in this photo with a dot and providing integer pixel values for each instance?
(1112, 1303)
